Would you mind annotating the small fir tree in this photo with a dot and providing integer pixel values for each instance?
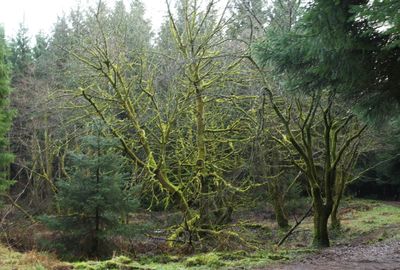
(94, 199)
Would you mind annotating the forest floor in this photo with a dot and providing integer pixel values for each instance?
(378, 256)
(372, 242)
(369, 239)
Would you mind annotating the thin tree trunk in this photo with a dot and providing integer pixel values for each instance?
(280, 216)
(340, 187)
(335, 220)
(205, 218)
(277, 204)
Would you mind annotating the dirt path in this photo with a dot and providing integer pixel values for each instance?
(355, 256)
(378, 256)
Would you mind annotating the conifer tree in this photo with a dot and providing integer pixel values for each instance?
(94, 198)
(349, 46)
(21, 56)
(5, 116)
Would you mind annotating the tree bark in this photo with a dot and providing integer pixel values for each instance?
(205, 218)
(320, 238)
(321, 216)
(335, 220)
(280, 216)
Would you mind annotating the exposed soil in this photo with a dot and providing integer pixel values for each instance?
(357, 255)
(379, 256)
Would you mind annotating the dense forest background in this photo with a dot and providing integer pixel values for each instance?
(111, 133)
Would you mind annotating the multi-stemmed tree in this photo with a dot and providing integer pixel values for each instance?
(325, 140)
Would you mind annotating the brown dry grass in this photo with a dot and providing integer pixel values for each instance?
(11, 260)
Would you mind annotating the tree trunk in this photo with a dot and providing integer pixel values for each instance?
(321, 237)
(321, 216)
(277, 204)
(280, 216)
(175, 192)
(205, 203)
(335, 220)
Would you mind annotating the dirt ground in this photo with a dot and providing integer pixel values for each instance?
(358, 255)
(379, 256)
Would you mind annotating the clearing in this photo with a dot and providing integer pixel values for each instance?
(369, 239)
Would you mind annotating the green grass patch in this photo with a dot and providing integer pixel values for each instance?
(117, 263)
(368, 221)
(373, 216)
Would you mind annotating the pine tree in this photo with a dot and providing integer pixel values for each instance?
(94, 199)
(5, 117)
(347, 46)
(249, 18)
(21, 56)
(40, 46)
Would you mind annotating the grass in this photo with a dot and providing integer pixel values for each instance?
(363, 221)
(10, 260)
(211, 260)
(374, 215)
(369, 221)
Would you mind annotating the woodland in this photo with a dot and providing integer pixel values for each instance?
(241, 129)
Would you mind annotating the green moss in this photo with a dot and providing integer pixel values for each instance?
(209, 259)
(118, 263)
(234, 256)
(84, 265)
(163, 259)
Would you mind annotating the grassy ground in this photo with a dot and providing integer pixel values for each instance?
(363, 221)
(11, 260)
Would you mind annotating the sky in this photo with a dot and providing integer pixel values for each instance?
(40, 15)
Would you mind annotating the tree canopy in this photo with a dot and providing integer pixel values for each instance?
(350, 47)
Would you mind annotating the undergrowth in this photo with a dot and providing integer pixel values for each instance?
(363, 221)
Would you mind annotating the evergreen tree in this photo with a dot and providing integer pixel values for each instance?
(5, 116)
(249, 19)
(348, 46)
(21, 55)
(40, 53)
(282, 15)
(94, 199)
(40, 46)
